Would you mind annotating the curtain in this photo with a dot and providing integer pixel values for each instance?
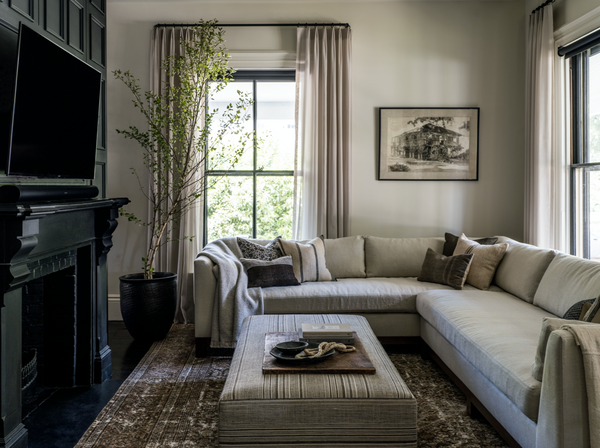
(323, 132)
(541, 209)
(177, 256)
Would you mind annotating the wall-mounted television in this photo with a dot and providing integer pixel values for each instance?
(55, 111)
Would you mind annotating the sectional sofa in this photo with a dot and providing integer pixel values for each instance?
(486, 340)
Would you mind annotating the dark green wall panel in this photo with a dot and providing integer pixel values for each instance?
(97, 41)
(55, 17)
(76, 25)
(26, 8)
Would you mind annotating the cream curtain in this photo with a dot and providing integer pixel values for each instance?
(541, 209)
(323, 132)
(177, 256)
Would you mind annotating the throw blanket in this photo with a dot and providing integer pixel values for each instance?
(588, 338)
(233, 300)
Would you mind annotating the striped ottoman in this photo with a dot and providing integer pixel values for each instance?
(304, 410)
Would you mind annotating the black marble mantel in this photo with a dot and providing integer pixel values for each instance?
(37, 239)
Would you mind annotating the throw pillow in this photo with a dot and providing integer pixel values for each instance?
(451, 271)
(452, 240)
(592, 312)
(577, 311)
(309, 259)
(259, 252)
(484, 263)
(278, 272)
(549, 324)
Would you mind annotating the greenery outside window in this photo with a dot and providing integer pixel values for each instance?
(585, 167)
(255, 198)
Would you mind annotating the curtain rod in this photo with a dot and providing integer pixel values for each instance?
(346, 25)
(547, 2)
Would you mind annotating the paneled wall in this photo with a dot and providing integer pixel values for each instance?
(78, 26)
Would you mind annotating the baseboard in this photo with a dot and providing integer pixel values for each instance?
(114, 307)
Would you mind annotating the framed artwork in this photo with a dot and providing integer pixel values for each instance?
(428, 144)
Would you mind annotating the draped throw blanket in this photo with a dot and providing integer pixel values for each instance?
(588, 338)
(178, 255)
(323, 126)
(540, 167)
(233, 300)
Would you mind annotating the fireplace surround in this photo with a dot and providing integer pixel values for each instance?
(65, 244)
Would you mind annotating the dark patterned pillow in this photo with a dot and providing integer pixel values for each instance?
(278, 272)
(452, 241)
(451, 271)
(258, 252)
(574, 313)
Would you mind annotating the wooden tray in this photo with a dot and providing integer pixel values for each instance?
(354, 362)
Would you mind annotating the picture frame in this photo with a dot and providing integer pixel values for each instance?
(428, 143)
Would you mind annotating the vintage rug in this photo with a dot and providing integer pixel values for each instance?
(171, 399)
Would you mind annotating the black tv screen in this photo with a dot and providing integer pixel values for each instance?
(55, 112)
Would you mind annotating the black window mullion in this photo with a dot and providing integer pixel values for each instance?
(255, 157)
(578, 156)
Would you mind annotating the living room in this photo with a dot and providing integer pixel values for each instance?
(405, 54)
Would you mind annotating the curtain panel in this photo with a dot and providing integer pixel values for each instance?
(542, 212)
(323, 132)
(176, 256)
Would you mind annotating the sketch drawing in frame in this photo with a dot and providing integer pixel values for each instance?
(428, 144)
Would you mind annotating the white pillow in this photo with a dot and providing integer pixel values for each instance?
(308, 258)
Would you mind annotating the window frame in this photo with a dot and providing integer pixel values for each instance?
(580, 167)
(254, 76)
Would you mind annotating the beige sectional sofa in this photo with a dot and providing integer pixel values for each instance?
(487, 339)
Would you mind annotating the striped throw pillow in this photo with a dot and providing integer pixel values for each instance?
(484, 263)
(308, 259)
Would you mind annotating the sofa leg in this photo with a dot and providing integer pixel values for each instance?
(472, 410)
(202, 345)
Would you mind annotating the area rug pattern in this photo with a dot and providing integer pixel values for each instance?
(171, 400)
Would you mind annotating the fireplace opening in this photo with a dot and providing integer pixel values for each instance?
(56, 342)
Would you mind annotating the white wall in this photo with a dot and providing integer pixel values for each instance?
(405, 54)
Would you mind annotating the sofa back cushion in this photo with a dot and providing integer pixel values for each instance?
(522, 268)
(346, 257)
(567, 281)
(398, 257)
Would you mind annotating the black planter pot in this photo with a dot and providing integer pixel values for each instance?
(148, 305)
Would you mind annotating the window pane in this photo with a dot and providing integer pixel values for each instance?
(229, 207)
(594, 208)
(221, 159)
(593, 116)
(274, 206)
(275, 125)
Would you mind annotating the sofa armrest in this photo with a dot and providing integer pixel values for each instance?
(205, 285)
(563, 417)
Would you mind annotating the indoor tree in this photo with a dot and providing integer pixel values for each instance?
(183, 133)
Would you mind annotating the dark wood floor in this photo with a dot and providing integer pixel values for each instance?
(59, 417)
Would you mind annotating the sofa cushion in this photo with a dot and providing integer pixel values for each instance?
(345, 257)
(496, 332)
(398, 257)
(522, 268)
(349, 295)
(567, 281)
(484, 263)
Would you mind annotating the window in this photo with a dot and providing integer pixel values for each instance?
(585, 168)
(254, 198)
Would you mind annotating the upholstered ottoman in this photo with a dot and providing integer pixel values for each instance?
(313, 410)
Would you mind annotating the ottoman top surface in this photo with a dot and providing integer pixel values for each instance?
(247, 382)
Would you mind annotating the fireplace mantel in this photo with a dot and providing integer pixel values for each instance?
(37, 239)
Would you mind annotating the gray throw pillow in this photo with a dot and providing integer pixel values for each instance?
(451, 271)
(309, 259)
(259, 252)
(263, 274)
(574, 313)
(452, 240)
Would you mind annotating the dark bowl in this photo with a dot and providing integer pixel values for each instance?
(292, 346)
